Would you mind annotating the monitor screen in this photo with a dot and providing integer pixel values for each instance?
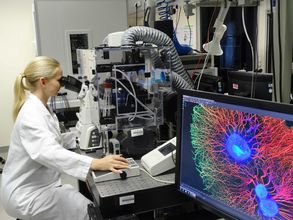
(235, 155)
(242, 83)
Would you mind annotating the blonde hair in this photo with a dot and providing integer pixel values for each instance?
(41, 66)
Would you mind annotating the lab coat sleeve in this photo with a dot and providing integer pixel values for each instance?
(44, 146)
(69, 139)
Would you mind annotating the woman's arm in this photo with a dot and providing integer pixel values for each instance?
(110, 162)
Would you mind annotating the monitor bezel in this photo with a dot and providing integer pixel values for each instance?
(227, 99)
(244, 78)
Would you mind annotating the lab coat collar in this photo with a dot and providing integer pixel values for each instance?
(38, 102)
(45, 110)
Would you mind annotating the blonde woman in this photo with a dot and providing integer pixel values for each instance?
(31, 187)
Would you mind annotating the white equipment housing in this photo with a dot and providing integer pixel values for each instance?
(88, 119)
(160, 159)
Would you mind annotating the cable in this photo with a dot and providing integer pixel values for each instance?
(256, 49)
(189, 31)
(125, 75)
(146, 17)
(203, 68)
(132, 94)
(147, 117)
(136, 13)
(107, 101)
(212, 17)
(248, 39)
(117, 80)
(207, 40)
(272, 47)
(135, 116)
(252, 53)
(197, 76)
(280, 51)
(177, 20)
(156, 179)
(256, 56)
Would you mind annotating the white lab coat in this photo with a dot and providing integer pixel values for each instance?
(31, 187)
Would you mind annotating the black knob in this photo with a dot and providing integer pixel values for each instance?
(123, 175)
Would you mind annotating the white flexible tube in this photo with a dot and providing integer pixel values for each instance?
(156, 179)
(125, 75)
(252, 53)
(117, 80)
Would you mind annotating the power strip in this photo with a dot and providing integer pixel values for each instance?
(133, 170)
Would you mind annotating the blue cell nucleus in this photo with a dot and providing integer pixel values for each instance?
(268, 207)
(261, 191)
(238, 148)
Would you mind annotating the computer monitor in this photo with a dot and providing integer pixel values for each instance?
(239, 83)
(235, 155)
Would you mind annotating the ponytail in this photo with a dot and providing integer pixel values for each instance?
(19, 95)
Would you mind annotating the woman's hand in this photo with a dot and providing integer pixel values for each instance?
(110, 162)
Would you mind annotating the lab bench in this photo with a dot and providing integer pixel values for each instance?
(133, 195)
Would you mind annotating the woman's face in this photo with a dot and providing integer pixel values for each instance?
(53, 85)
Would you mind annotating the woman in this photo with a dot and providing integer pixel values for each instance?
(31, 187)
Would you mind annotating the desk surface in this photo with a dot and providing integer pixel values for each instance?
(131, 184)
(146, 194)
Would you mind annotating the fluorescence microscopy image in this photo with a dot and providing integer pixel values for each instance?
(245, 160)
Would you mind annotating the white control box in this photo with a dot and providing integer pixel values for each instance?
(133, 170)
(160, 159)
